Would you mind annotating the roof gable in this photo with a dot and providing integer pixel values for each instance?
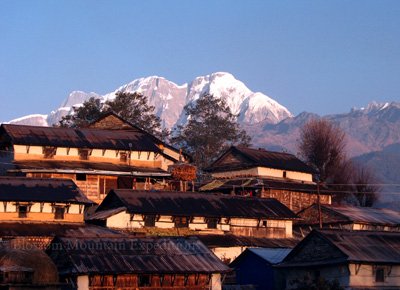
(112, 121)
(243, 157)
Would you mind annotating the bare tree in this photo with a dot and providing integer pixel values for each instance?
(365, 185)
(322, 146)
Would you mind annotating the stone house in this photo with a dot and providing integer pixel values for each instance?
(197, 212)
(137, 263)
(110, 153)
(356, 259)
(262, 173)
(347, 217)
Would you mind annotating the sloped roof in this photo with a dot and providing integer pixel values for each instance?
(195, 204)
(363, 215)
(266, 183)
(160, 255)
(356, 246)
(52, 229)
(80, 138)
(24, 189)
(86, 167)
(259, 158)
(270, 255)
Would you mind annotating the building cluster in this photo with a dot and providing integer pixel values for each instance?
(100, 208)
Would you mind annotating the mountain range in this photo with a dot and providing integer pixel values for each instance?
(270, 124)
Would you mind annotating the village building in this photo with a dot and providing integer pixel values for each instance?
(110, 153)
(34, 210)
(178, 212)
(347, 217)
(41, 200)
(255, 267)
(262, 173)
(355, 259)
(145, 263)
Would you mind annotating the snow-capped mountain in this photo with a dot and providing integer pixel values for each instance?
(169, 100)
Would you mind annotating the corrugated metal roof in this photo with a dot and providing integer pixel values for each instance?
(38, 229)
(260, 157)
(266, 183)
(80, 138)
(41, 190)
(86, 167)
(195, 204)
(272, 256)
(355, 246)
(224, 241)
(125, 256)
(382, 216)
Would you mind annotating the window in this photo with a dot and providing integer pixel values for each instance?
(80, 176)
(84, 154)
(59, 213)
(149, 220)
(144, 280)
(212, 223)
(284, 174)
(181, 222)
(22, 211)
(49, 152)
(380, 275)
(123, 156)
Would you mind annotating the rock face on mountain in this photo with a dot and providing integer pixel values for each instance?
(169, 99)
(367, 129)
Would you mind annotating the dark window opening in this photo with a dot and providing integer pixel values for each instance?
(284, 174)
(83, 154)
(80, 177)
(149, 220)
(181, 222)
(144, 280)
(59, 213)
(212, 223)
(264, 223)
(49, 152)
(22, 211)
(123, 156)
(380, 275)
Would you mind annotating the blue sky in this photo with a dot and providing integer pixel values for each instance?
(317, 56)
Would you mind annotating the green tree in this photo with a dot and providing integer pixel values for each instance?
(132, 107)
(210, 129)
(83, 115)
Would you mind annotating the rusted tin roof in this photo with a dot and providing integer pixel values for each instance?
(265, 183)
(195, 204)
(86, 167)
(354, 246)
(80, 138)
(227, 241)
(251, 157)
(36, 229)
(161, 255)
(362, 215)
(24, 189)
